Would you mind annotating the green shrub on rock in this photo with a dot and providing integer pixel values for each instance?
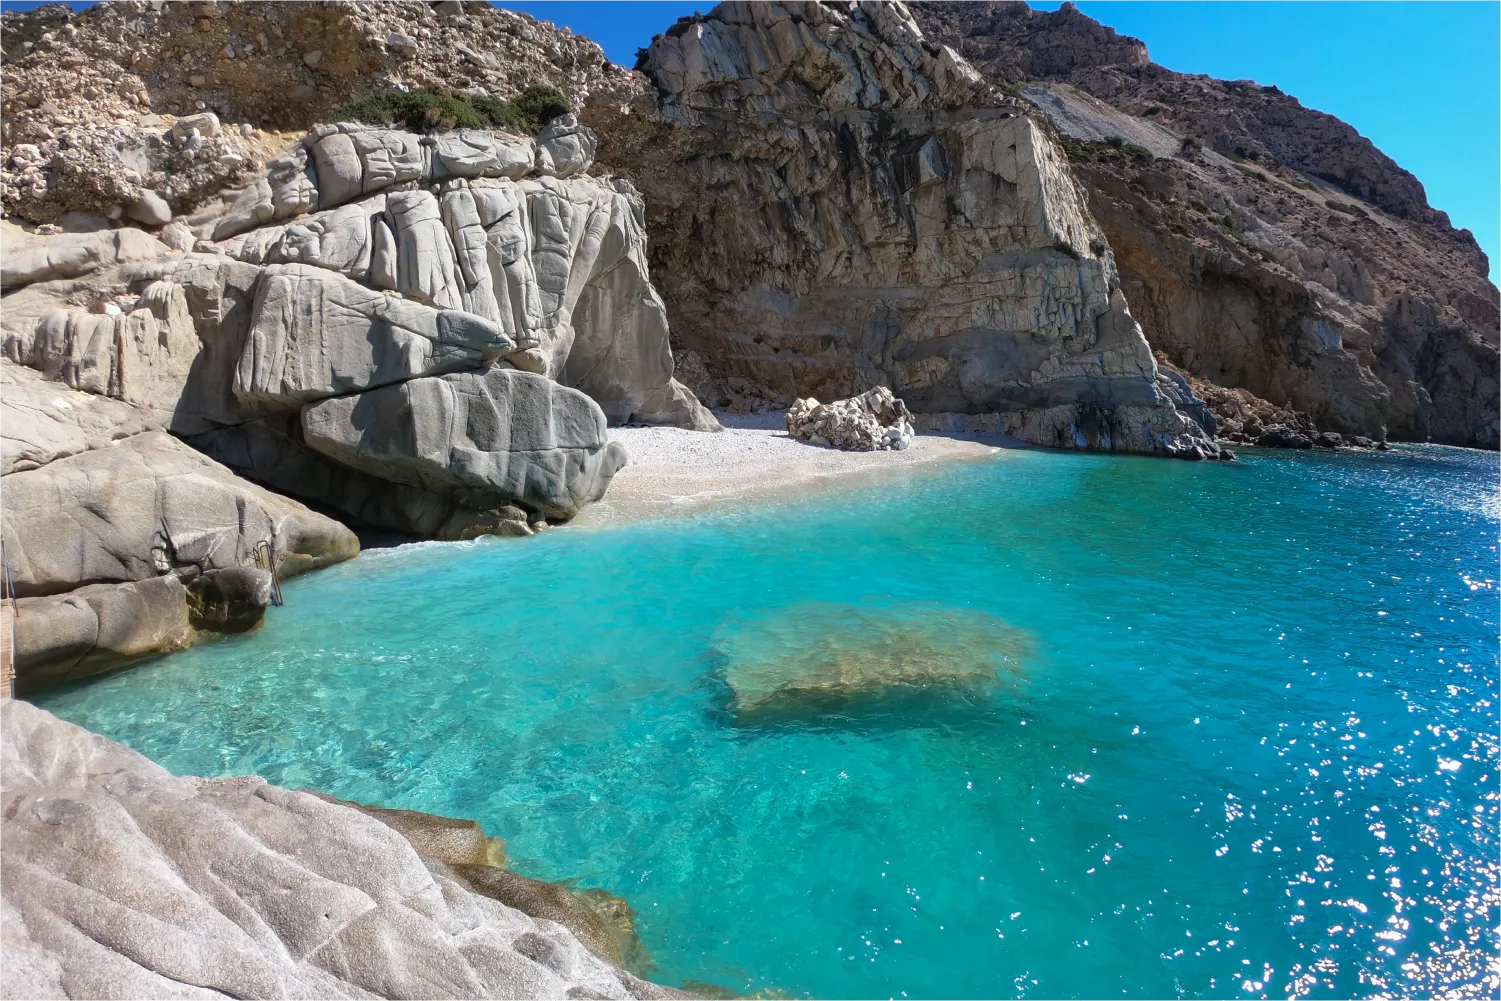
(426, 109)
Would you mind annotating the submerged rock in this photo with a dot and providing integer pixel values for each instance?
(873, 421)
(825, 655)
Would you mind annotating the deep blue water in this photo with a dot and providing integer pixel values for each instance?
(1248, 747)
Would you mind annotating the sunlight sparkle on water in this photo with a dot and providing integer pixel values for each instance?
(1247, 749)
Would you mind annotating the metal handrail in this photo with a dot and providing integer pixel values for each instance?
(269, 559)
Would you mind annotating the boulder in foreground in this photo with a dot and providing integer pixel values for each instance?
(123, 880)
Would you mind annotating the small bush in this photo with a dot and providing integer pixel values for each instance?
(1305, 184)
(1228, 222)
(1114, 149)
(1063, 247)
(681, 25)
(1201, 207)
(1347, 209)
(1153, 110)
(1253, 174)
(426, 109)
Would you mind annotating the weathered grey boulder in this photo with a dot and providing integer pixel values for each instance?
(503, 432)
(564, 147)
(30, 258)
(147, 505)
(43, 420)
(63, 637)
(872, 421)
(316, 334)
(271, 451)
(558, 264)
(122, 880)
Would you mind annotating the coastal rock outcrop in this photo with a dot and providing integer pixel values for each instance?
(873, 421)
(122, 880)
(425, 334)
(1263, 245)
(886, 219)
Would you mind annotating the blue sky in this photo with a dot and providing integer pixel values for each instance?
(1422, 80)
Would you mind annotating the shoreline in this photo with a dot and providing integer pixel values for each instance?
(753, 461)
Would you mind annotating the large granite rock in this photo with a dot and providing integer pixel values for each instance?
(146, 506)
(505, 433)
(63, 637)
(315, 334)
(43, 420)
(886, 219)
(31, 257)
(558, 261)
(872, 421)
(122, 880)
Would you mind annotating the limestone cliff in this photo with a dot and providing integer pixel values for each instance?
(836, 203)
(1263, 245)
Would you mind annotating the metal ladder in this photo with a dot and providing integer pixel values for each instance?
(8, 613)
(268, 559)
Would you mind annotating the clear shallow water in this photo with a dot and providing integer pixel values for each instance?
(1251, 749)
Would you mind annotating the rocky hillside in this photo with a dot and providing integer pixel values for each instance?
(837, 203)
(1262, 245)
(84, 101)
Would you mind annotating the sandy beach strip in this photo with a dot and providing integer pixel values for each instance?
(675, 472)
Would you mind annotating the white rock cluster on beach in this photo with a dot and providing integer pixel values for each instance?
(873, 421)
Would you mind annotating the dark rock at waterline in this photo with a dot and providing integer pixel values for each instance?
(558, 903)
(1282, 436)
(231, 600)
(96, 628)
(604, 923)
(1328, 439)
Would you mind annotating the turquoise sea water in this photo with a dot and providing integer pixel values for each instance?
(1249, 747)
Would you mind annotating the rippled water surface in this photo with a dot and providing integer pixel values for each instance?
(1249, 747)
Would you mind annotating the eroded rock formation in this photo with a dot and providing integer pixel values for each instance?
(422, 334)
(122, 880)
(1263, 245)
(880, 217)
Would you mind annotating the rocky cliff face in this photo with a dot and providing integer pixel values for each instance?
(1262, 245)
(419, 333)
(122, 880)
(836, 203)
(422, 334)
